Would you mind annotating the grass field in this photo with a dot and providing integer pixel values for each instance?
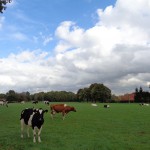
(121, 127)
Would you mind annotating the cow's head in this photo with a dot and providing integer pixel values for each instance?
(39, 114)
(73, 109)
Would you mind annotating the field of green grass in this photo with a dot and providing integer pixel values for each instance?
(120, 127)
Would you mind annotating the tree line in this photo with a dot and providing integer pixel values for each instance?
(57, 96)
(141, 96)
(94, 93)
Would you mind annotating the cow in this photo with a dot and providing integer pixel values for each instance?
(144, 104)
(61, 108)
(93, 104)
(106, 106)
(22, 102)
(3, 102)
(46, 102)
(34, 102)
(32, 118)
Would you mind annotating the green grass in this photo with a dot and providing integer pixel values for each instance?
(121, 127)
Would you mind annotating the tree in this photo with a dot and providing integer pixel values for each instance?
(141, 96)
(87, 94)
(80, 95)
(3, 5)
(24, 96)
(12, 96)
(100, 93)
(2, 96)
(84, 95)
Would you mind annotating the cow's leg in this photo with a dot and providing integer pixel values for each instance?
(52, 116)
(22, 127)
(63, 115)
(34, 134)
(28, 131)
(53, 113)
(39, 133)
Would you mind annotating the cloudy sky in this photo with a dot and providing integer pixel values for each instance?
(70, 44)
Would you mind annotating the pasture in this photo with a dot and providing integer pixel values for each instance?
(120, 127)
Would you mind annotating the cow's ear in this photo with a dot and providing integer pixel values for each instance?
(46, 110)
(34, 110)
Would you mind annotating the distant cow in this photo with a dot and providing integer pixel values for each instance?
(93, 104)
(144, 104)
(32, 118)
(106, 106)
(22, 102)
(61, 108)
(34, 102)
(46, 102)
(3, 102)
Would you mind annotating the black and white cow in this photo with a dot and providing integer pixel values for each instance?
(144, 104)
(46, 102)
(3, 102)
(34, 102)
(106, 106)
(32, 118)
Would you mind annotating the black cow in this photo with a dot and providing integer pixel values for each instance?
(34, 102)
(32, 118)
(106, 106)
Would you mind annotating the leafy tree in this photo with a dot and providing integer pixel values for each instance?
(100, 93)
(3, 5)
(137, 95)
(80, 95)
(96, 92)
(87, 94)
(84, 94)
(28, 96)
(24, 96)
(142, 96)
(12, 96)
(2, 96)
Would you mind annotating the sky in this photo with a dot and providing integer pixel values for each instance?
(66, 45)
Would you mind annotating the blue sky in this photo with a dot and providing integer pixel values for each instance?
(33, 19)
(68, 45)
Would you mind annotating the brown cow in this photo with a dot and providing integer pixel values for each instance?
(61, 108)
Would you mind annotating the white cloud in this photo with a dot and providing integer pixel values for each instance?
(41, 38)
(117, 46)
(47, 40)
(115, 52)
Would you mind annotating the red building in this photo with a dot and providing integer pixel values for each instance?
(127, 98)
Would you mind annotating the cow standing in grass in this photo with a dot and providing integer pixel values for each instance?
(3, 102)
(32, 118)
(61, 108)
(106, 106)
(34, 102)
(46, 102)
(144, 104)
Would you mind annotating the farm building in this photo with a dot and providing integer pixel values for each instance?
(127, 98)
